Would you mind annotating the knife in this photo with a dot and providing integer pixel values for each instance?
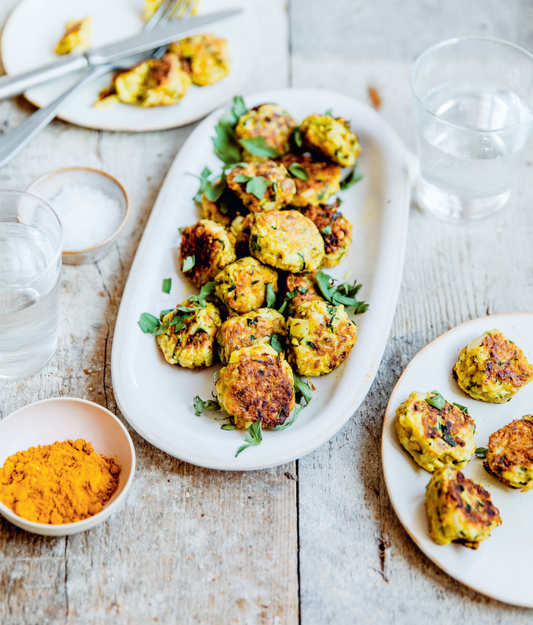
(13, 85)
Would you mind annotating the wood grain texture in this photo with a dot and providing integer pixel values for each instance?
(190, 545)
(357, 563)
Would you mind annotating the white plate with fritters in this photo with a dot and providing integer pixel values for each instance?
(157, 398)
(501, 566)
(35, 26)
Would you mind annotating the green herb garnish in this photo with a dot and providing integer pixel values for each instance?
(200, 405)
(461, 408)
(206, 290)
(213, 190)
(303, 397)
(345, 293)
(257, 186)
(481, 452)
(326, 230)
(203, 178)
(437, 401)
(297, 136)
(242, 178)
(276, 342)
(291, 295)
(270, 296)
(329, 112)
(299, 171)
(189, 263)
(253, 437)
(447, 436)
(225, 143)
(148, 323)
(354, 176)
(167, 283)
(228, 426)
(258, 146)
(180, 230)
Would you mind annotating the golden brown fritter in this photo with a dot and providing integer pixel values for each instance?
(459, 510)
(270, 121)
(211, 210)
(277, 194)
(434, 437)
(210, 247)
(77, 37)
(510, 454)
(256, 385)
(324, 180)
(242, 285)
(332, 137)
(287, 240)
(306, 290)
(492, 368)
(208, 57)
(335, 229)
(241, 228)
(319, 337)
(252, 328)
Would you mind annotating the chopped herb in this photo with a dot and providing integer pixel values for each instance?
(303, 260)
(354, 176)
(291, 295)
(167, 283)
(228, 426)
(164, 313)
(253, 437)
(270, 296)
(481, 452)
(180, 230)
(446, 435)
(258, 146)
(254, 245)
(203, 178)
(461, 408)
(225, 143)
(437, 401)
(215, 377)
(329, 112)
(200, 405)
(239, 108)
(345, 293)
(213, 190)
(294, 417)
(303, 397)
(299, 171)
(326, 230)
(277, 342)
(148, 323)
(242, 178)
(232, 288)
(257, 186)
(206, 290)
(297, 137)
(189, 263)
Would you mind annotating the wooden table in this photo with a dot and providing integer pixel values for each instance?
(315, 541)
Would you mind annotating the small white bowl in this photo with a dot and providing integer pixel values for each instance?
(49, 185)
(60, 419)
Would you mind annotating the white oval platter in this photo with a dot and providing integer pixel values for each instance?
(500, 567)
(156, 398)
(34, 28)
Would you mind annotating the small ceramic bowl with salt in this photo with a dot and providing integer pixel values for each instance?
(92, 206)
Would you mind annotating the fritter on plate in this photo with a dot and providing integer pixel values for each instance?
(302, 288)
(263, 186)
(270, 121)
(324, 179)
(332, 137)
(207, 55)
(335, 229)
(77, 37)
(492, 368)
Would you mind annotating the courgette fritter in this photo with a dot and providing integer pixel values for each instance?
(510, 454)
(208, 57)
(459, 510)
(332, 137)
(256, 385)
(275, 190)
(492, 368)
(433, 437)
(302, 288)
(77, 37)
(270, 121)
(209, 247)
(324, 179)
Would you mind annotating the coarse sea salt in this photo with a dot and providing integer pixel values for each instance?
(88, 216)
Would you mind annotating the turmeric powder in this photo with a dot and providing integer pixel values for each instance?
(60, 483)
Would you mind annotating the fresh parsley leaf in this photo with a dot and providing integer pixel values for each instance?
(148, 323)
(437, 401)
(189, 263)
(180, 230)
(299, 171)
(354, 176)
(228, 426)
(257, 146)
(164, 313)
(345, 293)
(206, 290)
(239, 108)
(213, 190)
(203, 177)
(242, 178)
(270, 296)
(329, 112)
(302, 387)
(447, 436)
(481, 452)
(294, 417)
(326, 230)
(257, 186)
(276, 342)
(225, 143)
(253, 437)
(167, 283)
(200, 405)
(297, 136)
(461, 408)
(291, 295)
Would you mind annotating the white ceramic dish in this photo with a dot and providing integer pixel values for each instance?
(500, 568)
(60, 419)
(49, 185)
(156, 398)
(34, 28)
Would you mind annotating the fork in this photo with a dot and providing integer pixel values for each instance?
(14, 141)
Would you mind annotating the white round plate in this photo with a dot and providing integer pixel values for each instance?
(501, 566)
(156, 397)
(34, 28)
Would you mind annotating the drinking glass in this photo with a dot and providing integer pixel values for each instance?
(30, 266)
(473, 105)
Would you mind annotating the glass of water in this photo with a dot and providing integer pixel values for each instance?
(30, 266)
(473, 105)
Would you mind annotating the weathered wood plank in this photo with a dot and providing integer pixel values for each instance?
(357, 564)
(190, 545)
